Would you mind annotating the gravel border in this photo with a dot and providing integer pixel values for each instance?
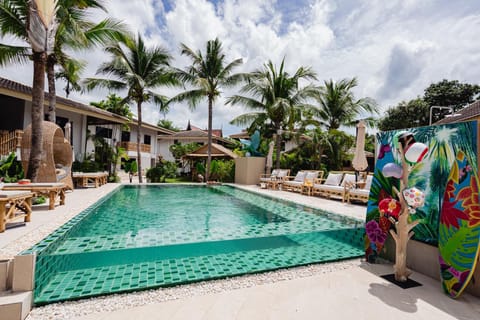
(114, 302)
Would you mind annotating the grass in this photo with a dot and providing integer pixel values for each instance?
(179, 179)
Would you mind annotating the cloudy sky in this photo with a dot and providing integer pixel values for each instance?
(395, 48)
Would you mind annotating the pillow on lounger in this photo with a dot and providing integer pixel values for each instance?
(348, 179)
(333, 179)
(311, 176)
(300, 176)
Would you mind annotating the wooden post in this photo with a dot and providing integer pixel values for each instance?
(402, 232)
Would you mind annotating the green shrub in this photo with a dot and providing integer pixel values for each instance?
(11, 169)
(163, 170)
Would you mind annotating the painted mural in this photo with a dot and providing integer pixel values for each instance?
(429, 176)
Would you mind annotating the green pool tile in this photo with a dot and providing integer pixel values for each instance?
(89, 256)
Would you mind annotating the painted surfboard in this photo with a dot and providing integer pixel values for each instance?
(377, 224)
(459, 227)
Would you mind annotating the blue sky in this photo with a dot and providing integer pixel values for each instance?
(395, 48)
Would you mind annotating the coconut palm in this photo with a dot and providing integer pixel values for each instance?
(337, 105)
(137, 69)
(275, 98)
(72, 31)
(36, 27)
(208, 73)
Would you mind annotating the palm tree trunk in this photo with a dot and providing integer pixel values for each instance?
(209, 147)
(37, 115)
(278, 146)
(52, 95)
(139, 156)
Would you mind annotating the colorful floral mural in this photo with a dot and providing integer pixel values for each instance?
(430, 176)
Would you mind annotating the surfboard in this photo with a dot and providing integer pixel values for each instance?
(459, 227)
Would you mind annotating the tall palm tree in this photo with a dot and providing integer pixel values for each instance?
(276, 99)
(208, 73)
(337, 104)
(72, 31)
(34, 22)
(137, 69)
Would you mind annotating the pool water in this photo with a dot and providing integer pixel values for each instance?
(150, 236)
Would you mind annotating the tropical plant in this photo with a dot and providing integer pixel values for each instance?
(137, 69)
(114, 104)
(208, 74)
(276, 99)
(223, 170)
(178, 150)
(167, 124)
(337, 105)
(451, 93)
(162, 171)
(407, 114)
(11, 169)
(68, 28)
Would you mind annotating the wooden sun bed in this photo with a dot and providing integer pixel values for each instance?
(86, 179)
(14, 205)
(52, 190)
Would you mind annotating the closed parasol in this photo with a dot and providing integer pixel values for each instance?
(359, 161)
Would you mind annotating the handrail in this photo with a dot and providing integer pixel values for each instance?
(10, 141)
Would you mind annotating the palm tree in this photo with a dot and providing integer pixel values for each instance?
(72, 30)
(208, 73)
(337, 104)
(24, 20)
(136, 69)
(276, 98)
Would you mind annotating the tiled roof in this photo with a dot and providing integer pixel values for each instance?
(470, 112)
(79, 107)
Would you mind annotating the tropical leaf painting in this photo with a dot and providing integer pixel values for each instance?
(430, 176)
(459, 230)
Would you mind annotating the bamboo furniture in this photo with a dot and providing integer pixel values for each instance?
(57, 155)
(14, 205)
(52, 190)
(86, 179)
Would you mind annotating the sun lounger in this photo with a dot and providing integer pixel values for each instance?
(14, 205)
(361, 192)
(86, 179)
(277, 180)
(336, 185)
(303, 181)
(52, 190)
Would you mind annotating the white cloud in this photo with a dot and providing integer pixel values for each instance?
(395, 48)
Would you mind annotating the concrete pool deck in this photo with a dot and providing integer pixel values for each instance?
(344, 290)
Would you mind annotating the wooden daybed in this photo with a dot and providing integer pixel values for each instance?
(86, 179)
(14, 205)
(52, 190)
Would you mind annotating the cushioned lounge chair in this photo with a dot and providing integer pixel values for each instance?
(303, 178)
(336, 185)
(277, 180)
(361, 193)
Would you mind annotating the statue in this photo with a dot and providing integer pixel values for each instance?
(251, 146)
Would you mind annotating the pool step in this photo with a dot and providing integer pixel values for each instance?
(171, 269)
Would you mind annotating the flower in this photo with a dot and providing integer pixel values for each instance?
(374, 233)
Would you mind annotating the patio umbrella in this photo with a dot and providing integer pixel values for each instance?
(359, 161)
(270, 156)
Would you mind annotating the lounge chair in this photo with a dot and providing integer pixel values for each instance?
(360, 191)
(336, 185)
(302, 179)
(277, 180)
(14, 205)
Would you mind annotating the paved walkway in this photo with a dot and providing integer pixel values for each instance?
(356, 292)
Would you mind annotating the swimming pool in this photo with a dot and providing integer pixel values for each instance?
(150, 236)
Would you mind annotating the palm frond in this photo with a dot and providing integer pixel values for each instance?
(13, 54)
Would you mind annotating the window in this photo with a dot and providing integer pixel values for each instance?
(125, 136)
(147, 139)
(103, 132)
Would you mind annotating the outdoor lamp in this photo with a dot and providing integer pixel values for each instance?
(392, 170)
(416, 152)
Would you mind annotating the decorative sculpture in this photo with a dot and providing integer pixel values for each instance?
(251, 146)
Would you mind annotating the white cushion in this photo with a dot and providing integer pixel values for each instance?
(368, 183)
(311, 175)
(300, 176)
(274, 173)
(333, 179)
(348, 179)
(282, 173)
